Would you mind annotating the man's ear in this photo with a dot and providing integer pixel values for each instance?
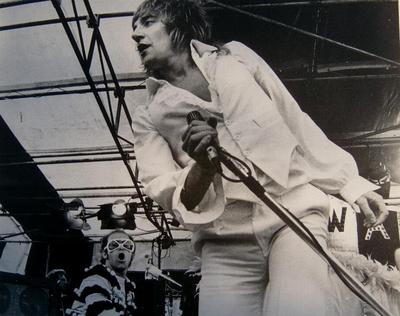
(104, 255)
(132, 257)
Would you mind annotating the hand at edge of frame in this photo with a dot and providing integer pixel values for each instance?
(373, 207)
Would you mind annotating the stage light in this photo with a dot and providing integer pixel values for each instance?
(75, 215)
(119, 207)
(117, 215)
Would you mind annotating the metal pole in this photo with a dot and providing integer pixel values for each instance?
(65, 92)
(63, 161)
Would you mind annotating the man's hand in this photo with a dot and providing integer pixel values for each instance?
(197, 137)
(373, 208)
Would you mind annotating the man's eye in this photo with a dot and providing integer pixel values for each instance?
(148, 22)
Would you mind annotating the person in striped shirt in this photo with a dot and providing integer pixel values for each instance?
(105, 288)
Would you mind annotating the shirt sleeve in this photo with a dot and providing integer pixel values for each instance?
(163, 178)
(332, 169)
(93, 297)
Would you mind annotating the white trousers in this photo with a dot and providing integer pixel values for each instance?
(238, 280)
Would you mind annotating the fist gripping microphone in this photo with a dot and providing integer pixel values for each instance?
(212, 152)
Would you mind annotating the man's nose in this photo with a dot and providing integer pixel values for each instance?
(137, 37)
(137, 34)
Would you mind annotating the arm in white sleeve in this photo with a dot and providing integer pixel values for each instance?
(163, 178)
(333, 169)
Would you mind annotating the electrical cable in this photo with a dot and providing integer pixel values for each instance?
(239, 163)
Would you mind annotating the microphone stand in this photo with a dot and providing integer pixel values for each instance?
(156, 272)
(301, 230)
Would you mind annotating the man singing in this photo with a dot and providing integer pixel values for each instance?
(252, 264)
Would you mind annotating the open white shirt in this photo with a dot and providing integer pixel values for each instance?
(258, 121)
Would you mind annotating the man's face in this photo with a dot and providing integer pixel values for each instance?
(153, 42)
(119, 253)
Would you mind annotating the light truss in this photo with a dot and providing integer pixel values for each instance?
(112, 119)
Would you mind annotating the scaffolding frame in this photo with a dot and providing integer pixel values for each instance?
(111, 83)
(111, 118)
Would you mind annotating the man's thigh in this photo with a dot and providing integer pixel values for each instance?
(299, 281)
(233, 280)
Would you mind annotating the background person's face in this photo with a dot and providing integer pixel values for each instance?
(153, 42)
(119, 259)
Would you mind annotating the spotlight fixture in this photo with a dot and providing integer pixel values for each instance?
(75, 215)
(117, 215)
(119, 208)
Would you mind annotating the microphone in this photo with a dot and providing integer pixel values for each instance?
(212, 152)
(156, 272)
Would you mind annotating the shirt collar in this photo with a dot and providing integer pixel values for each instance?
(201, 48)
(199, 52)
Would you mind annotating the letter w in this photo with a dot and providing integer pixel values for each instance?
(335, 222)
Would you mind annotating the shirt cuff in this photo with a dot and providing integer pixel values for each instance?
(355, 188)
(209, 209)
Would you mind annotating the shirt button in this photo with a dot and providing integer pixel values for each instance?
(237, 137)
(228, 122)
